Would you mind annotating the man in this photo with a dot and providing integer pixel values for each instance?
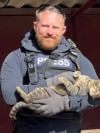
(45, 52)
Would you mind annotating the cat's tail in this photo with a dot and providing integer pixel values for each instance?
(17, 107)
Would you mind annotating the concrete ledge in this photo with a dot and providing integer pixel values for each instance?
(91, 131)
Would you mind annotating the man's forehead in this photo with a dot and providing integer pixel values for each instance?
(50, 14)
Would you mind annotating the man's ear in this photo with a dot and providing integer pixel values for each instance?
(34, 25)
(64, 29)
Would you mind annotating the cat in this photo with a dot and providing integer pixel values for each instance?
(83, 85)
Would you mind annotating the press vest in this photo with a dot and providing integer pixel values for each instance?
(44, 65)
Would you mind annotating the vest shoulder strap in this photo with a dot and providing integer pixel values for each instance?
(74, 49)
(32, 69)
(73, 53)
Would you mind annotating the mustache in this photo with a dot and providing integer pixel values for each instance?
(49, 36)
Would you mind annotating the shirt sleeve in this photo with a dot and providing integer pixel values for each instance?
(12, 76)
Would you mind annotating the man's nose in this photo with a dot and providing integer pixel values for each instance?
(50, 31)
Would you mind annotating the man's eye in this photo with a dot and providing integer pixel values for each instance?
(44, 25)
(56, 27)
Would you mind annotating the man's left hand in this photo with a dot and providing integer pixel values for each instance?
(52, 105)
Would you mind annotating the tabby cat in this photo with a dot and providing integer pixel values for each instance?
(82, 86)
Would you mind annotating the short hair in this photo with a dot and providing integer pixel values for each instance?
(49, 7)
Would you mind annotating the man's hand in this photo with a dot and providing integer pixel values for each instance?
(52, 105)
(55, 80)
